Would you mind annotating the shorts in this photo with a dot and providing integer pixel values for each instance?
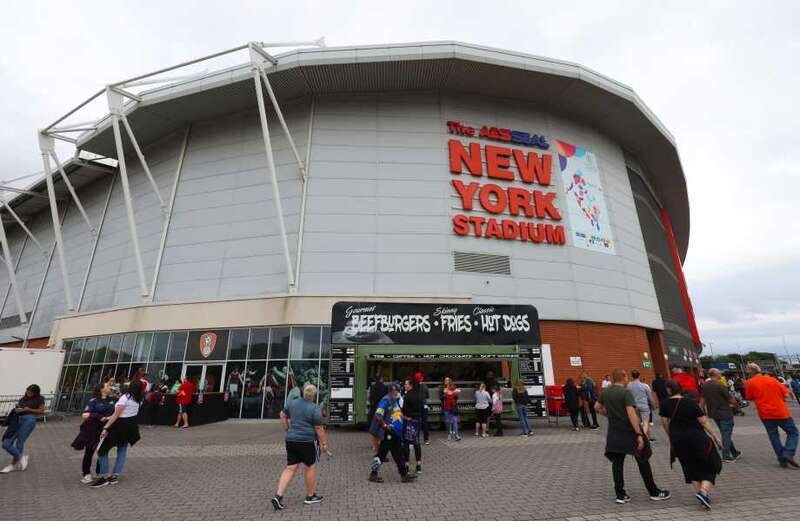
(183, 408)
(304, 452)
(483, 414)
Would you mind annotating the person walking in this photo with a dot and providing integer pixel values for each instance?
(606, 383)
(521, 400)
(389, 416)
(686, 381)
(21, 423)
(412, 414)
(660, 388)
(795, 385)
(497, 411)
(99, 409)
(644, 401)
(302, 421)
(770, 398)
(183, 398)
(719, 404)
(692, 441)
(572, 401)
(625, 437)
(589, 393)
(121, 431)
(483, 409)
(449, 398)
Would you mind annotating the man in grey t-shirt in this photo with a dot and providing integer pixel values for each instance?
(302, 420)
(644, 398)
(718, 403)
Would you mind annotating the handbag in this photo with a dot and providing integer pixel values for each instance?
(411, 431)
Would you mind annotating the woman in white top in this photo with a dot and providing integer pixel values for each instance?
(121, 430)
(483, 402)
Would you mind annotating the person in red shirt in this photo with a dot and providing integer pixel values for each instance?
(184, 400)
(686, 381)
(770, 398)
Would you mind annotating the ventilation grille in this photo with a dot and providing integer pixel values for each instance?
(482, 263)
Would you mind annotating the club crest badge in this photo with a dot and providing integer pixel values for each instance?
(208, 341)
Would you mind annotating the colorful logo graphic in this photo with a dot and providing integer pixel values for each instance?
(586, 202)
(208, 341)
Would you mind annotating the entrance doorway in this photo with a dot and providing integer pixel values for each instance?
(208, 376)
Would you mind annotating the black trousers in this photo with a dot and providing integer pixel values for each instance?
(86, 464)
(417, 451)
(573, 415)
(617, 468)
(393, 444)
(425, 430)
(498, 424)
(585, 418)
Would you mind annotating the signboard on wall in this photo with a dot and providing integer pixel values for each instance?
(575, 361)
(434, 324)
(586, 204)
(211, 344)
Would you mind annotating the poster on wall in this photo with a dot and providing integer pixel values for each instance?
(585, 202)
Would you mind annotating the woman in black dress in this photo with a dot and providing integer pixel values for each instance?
(692, 441)
(572, 401)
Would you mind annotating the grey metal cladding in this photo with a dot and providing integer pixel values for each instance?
(670, 301)
(78, 242)
(224, 238)
(113, 280)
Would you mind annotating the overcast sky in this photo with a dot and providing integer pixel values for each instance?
(723, 77)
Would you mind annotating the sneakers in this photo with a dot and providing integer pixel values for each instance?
(8, 468)
(99, 483)
(728, 460)
(484, 435)
(594, 427)
(662, 495)
(419, 468)
(523, 434)
(277, 502)
(476, 434)
(427, 442)
(23, 462)
(408, 478)
(704, 500)
(790, 461)
(530, 434)
(457, 437)
(623, 498)
(113, 479)
(312, 500)
(374, 478)
(87, 479)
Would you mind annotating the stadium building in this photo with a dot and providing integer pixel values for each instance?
(468, 207)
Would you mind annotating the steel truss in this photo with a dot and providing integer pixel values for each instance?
(122, 101)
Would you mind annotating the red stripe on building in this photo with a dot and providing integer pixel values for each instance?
(676, 261)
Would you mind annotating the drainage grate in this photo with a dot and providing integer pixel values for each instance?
(482, 263)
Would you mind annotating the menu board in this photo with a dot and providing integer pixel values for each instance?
(341, 408)
(531, 371)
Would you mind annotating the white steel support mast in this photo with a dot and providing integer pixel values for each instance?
(47, 148)
(115, 106)
(12, 277)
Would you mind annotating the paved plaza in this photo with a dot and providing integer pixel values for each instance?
(228, 471)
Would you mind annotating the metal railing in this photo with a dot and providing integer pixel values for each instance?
(9, 401)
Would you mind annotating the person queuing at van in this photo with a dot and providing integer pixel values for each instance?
(625, 437)
(589, 394)
(121, 431)
(686, 381)
(21, 423)
(571, 401)
(423, 393)
(389, 417)
(692, 441)
(497, 411)
(770, 398)
(302, 421)
(412, 414)
(644, 401)
(521, 400)
(719, 404)
(448, 396)
(183, 398)
(95, 414)
(376, 393)
(483, 409)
